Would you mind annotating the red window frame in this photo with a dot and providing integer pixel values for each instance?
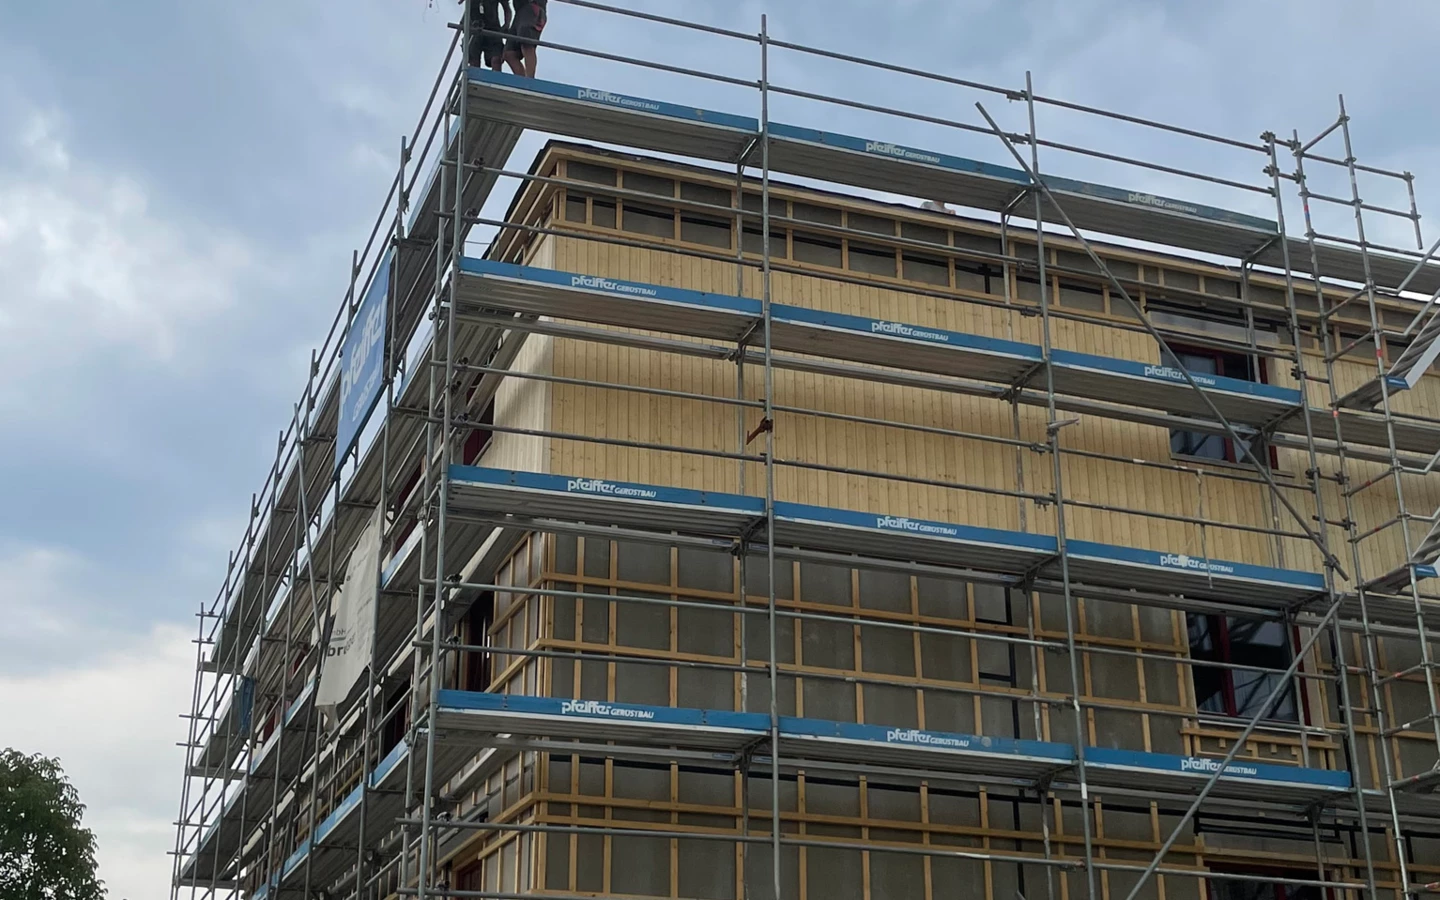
(1222, 358)
(1219, 626)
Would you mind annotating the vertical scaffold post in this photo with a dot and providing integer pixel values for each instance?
(1052, 433)
(445, 307)
(769, 423)
(1315, 477)
(1397, 476)
(368, 744)
(1368, 638)
(317, 622)
(741, 594)
(192, 743)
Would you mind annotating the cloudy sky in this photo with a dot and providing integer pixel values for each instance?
(181, 186)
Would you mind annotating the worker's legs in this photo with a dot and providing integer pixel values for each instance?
(494, 52)
(514, 60)
(529, 22)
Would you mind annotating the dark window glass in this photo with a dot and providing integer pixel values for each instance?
(649, 221)
(649, 184)
(1221, 287)
(872, 259)
(579, 171)
(777, 206)
(1209, 681)
(477, 634)
(603, 213)
(816, 250)
(755, 242)
(704, 193)
(926, 233)
(1238, 692)
(396, 717)
(1081, 262)
(574, 208)
(1204, 445)
(753, 235)
(1186, 281)
(872, 224)
(704, 230)
(973, 277)
(1027, 288)
(927, 269)
(1088, 297)
(825, 215)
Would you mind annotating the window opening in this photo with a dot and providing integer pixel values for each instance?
(1236, 692)
(476, 673)
(1265, 886)
(1200, 362)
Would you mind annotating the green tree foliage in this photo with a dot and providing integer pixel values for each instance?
(45, 853)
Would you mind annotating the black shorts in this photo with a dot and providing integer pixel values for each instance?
(486, 49)
(530, 20)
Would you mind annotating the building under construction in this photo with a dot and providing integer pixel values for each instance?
(729, 526)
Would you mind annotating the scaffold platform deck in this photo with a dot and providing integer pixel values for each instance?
(801, 739)
(600, 115)
(600, 502)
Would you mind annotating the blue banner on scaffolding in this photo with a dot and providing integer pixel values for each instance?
(247, 702)
(362, 364)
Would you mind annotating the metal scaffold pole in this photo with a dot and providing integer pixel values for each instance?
(1053, 426)
(1317, 478)
(768, 425)
(1239, 743)
(1369, 640)
(902, 373)
(446, 301)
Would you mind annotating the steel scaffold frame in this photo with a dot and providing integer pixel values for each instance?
(419, 839)
(1373, 671)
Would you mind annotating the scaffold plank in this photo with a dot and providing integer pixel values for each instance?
(328, 851)
(1243, 779)
(600, 502)
(487, 284)
(594, 114)
(600, 115)
(802, 739)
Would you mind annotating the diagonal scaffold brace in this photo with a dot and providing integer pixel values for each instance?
(1039, 185)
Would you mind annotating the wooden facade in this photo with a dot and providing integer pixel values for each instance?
(866, 837)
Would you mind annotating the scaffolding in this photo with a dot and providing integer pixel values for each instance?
(367, 798)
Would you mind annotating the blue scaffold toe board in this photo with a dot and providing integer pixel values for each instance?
(903, 537)
(882, 342)
(887, 166)
(329, 851)
(600, 115)
(1243, 779)
(485, 284)
(993, 758)
(517, 714)
(598, 501)
(879, 164)
(1164, 387)
(562, 499)
(1196, 576)
(875, 164)
(807, 739)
